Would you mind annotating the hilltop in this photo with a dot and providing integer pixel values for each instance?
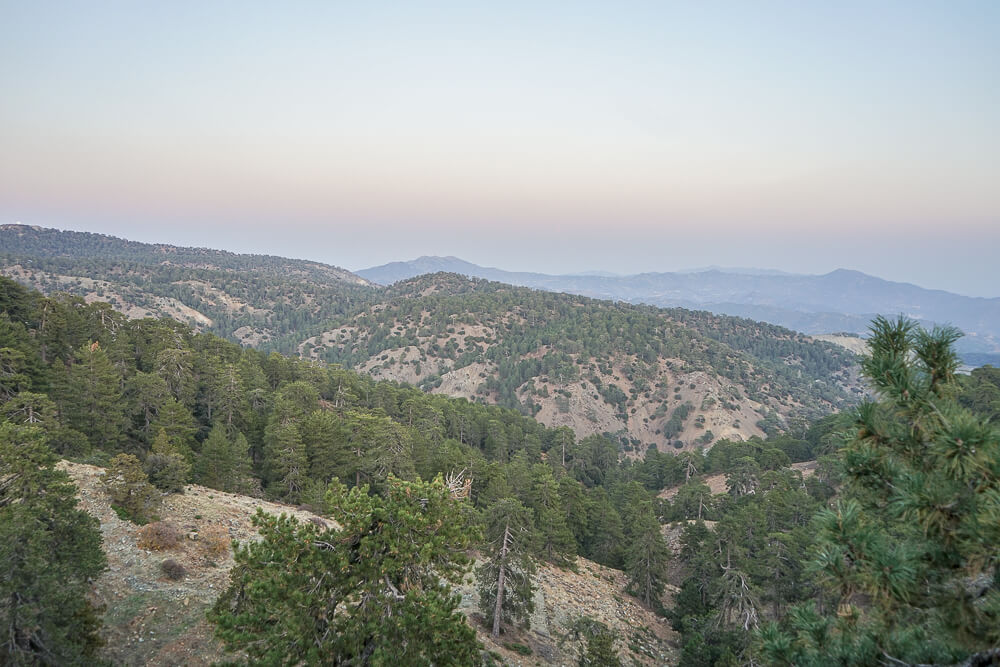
(646, 375)
(842, 300)
(250, 299)
(653, 376)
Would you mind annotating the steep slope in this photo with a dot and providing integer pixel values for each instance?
(841, 300)
(151, 619)
(665, 377)
(248, 298)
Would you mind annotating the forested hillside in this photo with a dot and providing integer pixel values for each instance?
(154, 400)
(885, 551)
(841, 300)
(670, 378)
(250, 299)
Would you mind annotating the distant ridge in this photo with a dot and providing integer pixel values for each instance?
(251, 299)
(17, 240)
(842, 300)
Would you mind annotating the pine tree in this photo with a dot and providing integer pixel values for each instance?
(91, 399)
(600, 650)
(605, 538)
(326, 438)
(179, 425)
(743, 478)
(229, 398)
(375, 592)
(224, 462)
(909, 554)
(646, 553)
(505, 586)
(555, 542)
(50, 551)
(129, 488)
(146, 395)
(166, 467)
(30, 409)
(693, 501)
(286, 467)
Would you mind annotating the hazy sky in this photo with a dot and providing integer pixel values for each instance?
(568, 136)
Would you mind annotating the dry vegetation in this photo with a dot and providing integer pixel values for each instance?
(163, 576)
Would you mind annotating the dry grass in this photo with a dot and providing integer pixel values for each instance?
(160, 536)
(215, 542)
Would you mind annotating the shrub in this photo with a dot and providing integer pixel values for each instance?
(160, 536)
(214, 541)
(168, 472)
(174, 570)
(520, 649)
(130, 491)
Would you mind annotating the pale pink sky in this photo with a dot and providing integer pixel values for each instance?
(627, 137)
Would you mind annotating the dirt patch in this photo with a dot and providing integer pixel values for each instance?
(148, 618)
(717, 483)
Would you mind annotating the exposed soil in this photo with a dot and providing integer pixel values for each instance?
(150, 619)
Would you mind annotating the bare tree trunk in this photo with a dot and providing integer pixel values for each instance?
(498, 605)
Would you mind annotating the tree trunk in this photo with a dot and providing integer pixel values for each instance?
(498, 605)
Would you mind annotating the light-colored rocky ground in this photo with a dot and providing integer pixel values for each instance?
(150, 619)
(717, 483)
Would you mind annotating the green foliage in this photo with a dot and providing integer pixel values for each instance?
(520, 649)
(375, 592)
(166, 467)
(675, 424)
(50, 551)
(129, 489)
(909, 555)
(980, 392)
(505, 586)
(554, 539)
(646, 553)
(693, 501)
(91, 398)
(600, 650)
(224, 462)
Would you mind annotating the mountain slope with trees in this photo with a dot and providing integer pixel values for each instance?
(841, 300)
(778, 566)
(670, 378)
(250, 299)
(169, 399)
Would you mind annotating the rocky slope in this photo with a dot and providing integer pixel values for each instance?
(248, 298)
(669, 378)
(151, 619)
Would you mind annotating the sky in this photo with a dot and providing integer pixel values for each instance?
(554, 137)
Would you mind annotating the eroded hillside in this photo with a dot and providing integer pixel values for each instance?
(672, 378)
(251, 299)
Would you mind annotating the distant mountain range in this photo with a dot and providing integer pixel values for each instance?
(839, 301)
